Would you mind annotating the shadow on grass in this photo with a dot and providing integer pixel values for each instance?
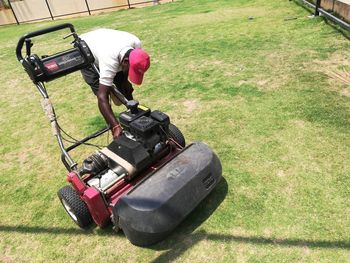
(325, 108)
(180, 248)
(197, 217)
(183, 237)
(57, 230)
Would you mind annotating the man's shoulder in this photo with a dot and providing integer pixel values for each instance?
(117, 35)
(107, 32)
(96, 32)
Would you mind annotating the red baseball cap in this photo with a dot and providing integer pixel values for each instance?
(139, 62)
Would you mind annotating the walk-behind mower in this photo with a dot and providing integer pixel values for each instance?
(146, 181)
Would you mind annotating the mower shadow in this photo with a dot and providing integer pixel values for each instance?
(181, 247)
(198, 216)
(57, 230)
(183, 237)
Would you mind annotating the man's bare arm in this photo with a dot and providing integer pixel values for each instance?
(104, 106)
(106, 109)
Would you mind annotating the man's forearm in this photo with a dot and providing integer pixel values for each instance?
(104, 105)
(107, 113)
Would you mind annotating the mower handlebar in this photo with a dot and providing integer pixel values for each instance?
(41, 32)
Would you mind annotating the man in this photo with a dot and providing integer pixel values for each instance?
(119, 58)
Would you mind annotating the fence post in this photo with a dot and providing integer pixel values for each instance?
(88, 8)
(129, 4)
(48, 7)
(13, 12)
(317, 6)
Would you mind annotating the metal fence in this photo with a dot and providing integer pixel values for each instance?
(332, 14)
(23, 11)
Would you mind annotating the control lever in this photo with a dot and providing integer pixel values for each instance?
(132, 105)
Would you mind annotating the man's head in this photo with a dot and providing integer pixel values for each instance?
(136, 62)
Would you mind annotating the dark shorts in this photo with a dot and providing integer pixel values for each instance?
(121, 81)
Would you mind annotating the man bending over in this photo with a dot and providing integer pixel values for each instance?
(119, 58)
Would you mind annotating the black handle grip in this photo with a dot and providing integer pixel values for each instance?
(41, 32)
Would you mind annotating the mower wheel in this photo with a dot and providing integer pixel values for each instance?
(74, 206)
(177, 135)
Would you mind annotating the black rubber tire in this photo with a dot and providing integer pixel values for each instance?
(71, 201)
(177, 135)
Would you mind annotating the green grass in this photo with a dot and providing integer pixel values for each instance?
(255, 90)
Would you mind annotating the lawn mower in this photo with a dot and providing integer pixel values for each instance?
(146, 181)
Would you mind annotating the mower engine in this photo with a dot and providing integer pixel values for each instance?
(143, 141)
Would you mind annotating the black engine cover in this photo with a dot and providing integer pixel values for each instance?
(146, 130)
(131, 151)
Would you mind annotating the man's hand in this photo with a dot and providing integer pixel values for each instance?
(117, 131)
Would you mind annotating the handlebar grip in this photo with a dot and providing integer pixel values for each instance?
(38, 33)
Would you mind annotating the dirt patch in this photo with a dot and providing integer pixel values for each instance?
(6, 259)
(345, 92)
(266, 84)
(217, 62)
(23, 158)
(229, 74)
(281, 173)
(242, 82)
(336, 59)
(262, 82)
(299, 123)
(239, 231)
(280, 71)
(273, 83)
(191, 105)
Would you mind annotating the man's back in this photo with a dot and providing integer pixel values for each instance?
(109, 47)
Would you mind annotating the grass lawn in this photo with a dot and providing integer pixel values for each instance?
(254, 79)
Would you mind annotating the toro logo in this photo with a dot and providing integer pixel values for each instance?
(51, 66)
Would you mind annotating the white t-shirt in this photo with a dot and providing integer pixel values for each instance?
(109, 47)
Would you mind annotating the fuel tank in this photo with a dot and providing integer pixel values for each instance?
(157, 204)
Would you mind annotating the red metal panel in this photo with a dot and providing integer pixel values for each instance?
(97, 206)
(77, 183)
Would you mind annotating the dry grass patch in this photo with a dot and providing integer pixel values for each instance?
(337, 69)
(191, 105)
(216, 16)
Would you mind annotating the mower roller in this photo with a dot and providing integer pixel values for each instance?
(146, 181)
